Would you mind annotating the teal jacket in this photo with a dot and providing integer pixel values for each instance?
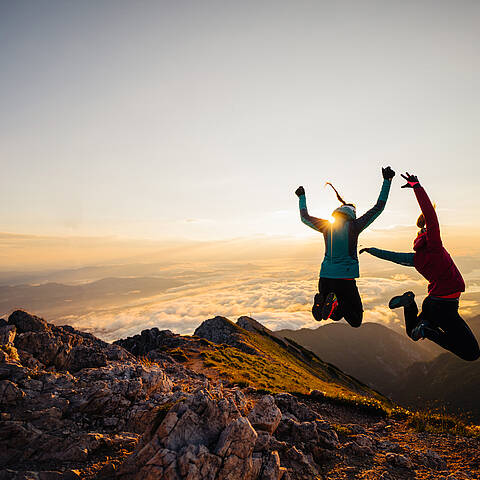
(406, 259)
(341, 237)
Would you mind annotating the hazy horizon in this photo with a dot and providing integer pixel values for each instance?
(178, 285)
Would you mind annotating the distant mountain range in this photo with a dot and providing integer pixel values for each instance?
(58, 298)
(413, 373)
(373, 353)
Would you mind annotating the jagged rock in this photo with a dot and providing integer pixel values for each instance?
(27, 323)
(353, 449)
(238, 439)
(252, 325)
(149, 340)
(10, 394)
(289, 404)
(365, 441)
(271, 467)
(220, 330)
(432, 460)
(298, 465)
(62, 347)
(262, 443)
(15, 436)
(7, 334)
(204, 436)
(12, 371)
(308, 434)
(398, 460)
(265, 415)
(390, 446)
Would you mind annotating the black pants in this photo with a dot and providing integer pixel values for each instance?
(349, 302)
(444, 325)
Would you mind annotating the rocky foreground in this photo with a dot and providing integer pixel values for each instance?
(75, 407)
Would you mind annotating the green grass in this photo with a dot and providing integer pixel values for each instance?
(178, 354)
(279, 369)
(440, 422)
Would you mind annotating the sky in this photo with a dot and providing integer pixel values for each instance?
(166, 139)
(198, 120)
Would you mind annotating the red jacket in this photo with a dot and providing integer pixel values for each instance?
(431, 259)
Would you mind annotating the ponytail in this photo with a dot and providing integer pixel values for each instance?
(340, 199)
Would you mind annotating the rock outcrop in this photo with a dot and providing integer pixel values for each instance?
(203, 436)
(66, 395)
(74, 407)
(222, 331)
(63, 348)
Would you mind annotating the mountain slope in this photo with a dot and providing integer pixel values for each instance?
(254, 357)
(373, 353)
(446, 380)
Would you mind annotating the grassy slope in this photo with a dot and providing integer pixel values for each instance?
(284, 366)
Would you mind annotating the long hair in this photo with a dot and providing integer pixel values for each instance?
(340, 199)
(421, 219)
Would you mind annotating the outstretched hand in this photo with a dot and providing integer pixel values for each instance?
(364, 250)
(300, 191)
(388, 173)
(412, 180)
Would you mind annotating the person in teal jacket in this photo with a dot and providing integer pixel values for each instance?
(338, 295)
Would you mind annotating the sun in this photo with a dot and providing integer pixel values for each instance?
(331, 220)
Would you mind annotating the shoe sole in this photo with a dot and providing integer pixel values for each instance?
(399, 301)
(327, 309)
(317, 308)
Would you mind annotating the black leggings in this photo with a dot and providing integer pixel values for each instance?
(349, 302)
(444, 325)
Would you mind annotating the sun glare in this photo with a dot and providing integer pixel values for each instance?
(331, 220)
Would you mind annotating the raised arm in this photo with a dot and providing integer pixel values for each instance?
(318, 224)
(367, 218)
(431, 219)
(405, 259)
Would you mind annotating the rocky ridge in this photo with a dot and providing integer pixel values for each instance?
(73, 406)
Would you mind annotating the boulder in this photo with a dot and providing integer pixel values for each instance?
(289, 404)
(265, 415)
(399, 461)
(27, 323)
(202, 437)
(220, 330)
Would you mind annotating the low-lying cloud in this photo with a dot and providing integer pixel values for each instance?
(271, 282)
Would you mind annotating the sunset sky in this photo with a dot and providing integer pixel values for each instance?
(129, 128)
(199, 119)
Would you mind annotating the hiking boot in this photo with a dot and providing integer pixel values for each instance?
(317, 307)
(404, 300)
(418, 332)
(329, 305)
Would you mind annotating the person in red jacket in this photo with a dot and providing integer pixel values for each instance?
(439, 320)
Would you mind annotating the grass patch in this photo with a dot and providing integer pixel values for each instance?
(178, 354)
(10, 351)
(342, 430)
(367, 405)
(276, 369)
(441, 422)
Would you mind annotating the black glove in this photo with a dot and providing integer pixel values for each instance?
(412, 181)
(388, 173)
(364, 250)
(300, 191)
